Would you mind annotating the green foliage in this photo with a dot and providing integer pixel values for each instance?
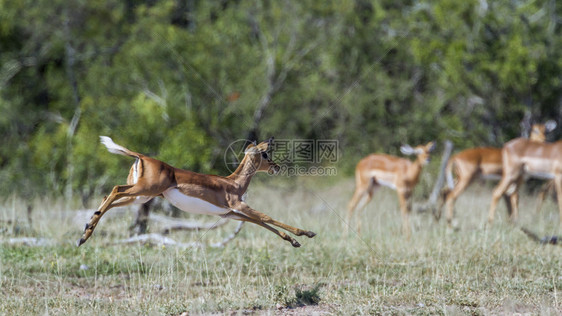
(306, 297)
(181, 80)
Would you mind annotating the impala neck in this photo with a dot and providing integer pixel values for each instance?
(245, 171)
(415, 169)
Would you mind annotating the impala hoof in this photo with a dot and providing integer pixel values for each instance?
(80, 242)
(310, 234)
(295, 244)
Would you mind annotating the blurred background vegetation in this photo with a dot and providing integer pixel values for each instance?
(181, 79)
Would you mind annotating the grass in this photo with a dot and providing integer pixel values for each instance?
(473, 269)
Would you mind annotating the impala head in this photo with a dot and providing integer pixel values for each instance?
(422, 151)
(538, 131)
(261, 156)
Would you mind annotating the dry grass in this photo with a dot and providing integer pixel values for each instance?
(473, 269)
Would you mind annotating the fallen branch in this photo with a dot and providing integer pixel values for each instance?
(552, 240)
(158, 240)
(173, 224)
(29, 241)
(170, 223)
(161, 240)
(228, 238)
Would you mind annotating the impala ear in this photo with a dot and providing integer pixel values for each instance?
(250, 146)
(407, 150)
(430, 146)
(550, 125)
(270, 143)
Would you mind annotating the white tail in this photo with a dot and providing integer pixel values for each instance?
(116, 149)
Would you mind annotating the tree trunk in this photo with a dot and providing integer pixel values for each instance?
(140, 225)
(70, 58)
(434, 196)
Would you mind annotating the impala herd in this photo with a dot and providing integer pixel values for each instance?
(197, 193)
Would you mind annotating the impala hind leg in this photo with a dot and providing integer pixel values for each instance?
(250, 212)
(352, 205)
(361, 196)
(452, 198)
(512, 202)
(119, 196)
(244, 218)
(513, 192)
(514, 199)
(507, 199)
(543, 194)
(367, 197)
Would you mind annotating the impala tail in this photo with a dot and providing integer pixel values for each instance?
(446, 190)
(117, 149)
(136, 172)
(450, 182)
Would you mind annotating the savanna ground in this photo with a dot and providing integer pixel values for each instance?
(473, 269)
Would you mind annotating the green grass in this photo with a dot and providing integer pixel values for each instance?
(474, 269)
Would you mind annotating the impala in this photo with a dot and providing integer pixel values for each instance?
(194, 192)
(484, 163)
(523, 157)
(397, 173)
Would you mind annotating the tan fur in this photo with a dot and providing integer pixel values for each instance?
(155, 177)
(468, 165)
(526, 157)
(483, 162)
(398, 173)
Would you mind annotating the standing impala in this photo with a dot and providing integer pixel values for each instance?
(483, 162)
(397, 173)
(194, 192)
(523, 157)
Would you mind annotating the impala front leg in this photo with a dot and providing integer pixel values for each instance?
(543, 194)
(499, 191)
(452, 197)
(558, 186)
(506, 183)
(404, 200)
(514, 201)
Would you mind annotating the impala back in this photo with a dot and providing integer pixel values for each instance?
(542, 160)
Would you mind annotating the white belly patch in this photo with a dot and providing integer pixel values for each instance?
(384, 179)
(192, 204)
(540, 175)
(142, 199)
(387, 184)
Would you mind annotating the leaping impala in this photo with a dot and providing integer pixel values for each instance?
(194, 192)
(523, 157)
(486, 163)
(397, 173)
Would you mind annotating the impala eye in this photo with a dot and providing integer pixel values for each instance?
(264, 155)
